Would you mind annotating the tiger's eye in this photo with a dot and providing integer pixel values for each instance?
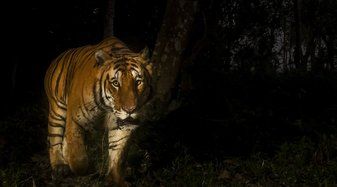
(138, 82)
(115, 83)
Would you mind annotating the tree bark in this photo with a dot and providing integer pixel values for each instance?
(109, 18)
(168, 56)
(298, 50)
(330, 52)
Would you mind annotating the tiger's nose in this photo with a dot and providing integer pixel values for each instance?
(129, 109)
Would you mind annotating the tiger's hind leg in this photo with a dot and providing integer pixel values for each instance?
(56, 131)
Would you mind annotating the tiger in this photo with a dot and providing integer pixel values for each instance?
(106, 80)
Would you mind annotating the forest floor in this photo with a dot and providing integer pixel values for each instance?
(256, 132)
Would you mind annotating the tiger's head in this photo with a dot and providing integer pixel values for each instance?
(124, 82)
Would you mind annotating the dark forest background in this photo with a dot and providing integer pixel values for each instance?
(259, 98)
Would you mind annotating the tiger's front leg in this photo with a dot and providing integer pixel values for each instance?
(75, 149)
(118, 148)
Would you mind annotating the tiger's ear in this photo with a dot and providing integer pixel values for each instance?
(149, 68)
(101, 57)
(145, 53)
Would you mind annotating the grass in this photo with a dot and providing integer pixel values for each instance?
(277, 139)
(297, 163)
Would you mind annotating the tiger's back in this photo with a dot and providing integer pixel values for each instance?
(58, 77)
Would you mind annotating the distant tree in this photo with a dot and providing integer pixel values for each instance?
(269, 36)
(297, 23)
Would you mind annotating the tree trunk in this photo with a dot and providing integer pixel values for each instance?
(330, 52)
(168, 56)
(285, 46)
(298, 50)
(109, 18)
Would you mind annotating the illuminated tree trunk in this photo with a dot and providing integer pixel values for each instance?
(168, 56)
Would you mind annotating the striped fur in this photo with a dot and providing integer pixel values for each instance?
(86, 83)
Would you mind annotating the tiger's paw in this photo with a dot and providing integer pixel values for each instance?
(60, 171)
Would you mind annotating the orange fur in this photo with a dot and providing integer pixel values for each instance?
(88, 82)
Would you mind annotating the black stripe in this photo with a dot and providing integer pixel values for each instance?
(134, 70)
(133, 61)
(62, 107)
(115, 141)
(120, 60)
(66, 79)
(93, 108)
(56, 114)
(113, 147)
(133, 65)
(94, 88)
(84, 108)
(84, 115)
(55, 135)
(50, 77)
(69, 77)
(119, 69)
(55, 125)
(57, 61)
(118, 66)
(59, 78)
(97, 95)
(101, 100)
(78, 124)
(56, 144)
(55, 118)
(115, 128)
(57, 101)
